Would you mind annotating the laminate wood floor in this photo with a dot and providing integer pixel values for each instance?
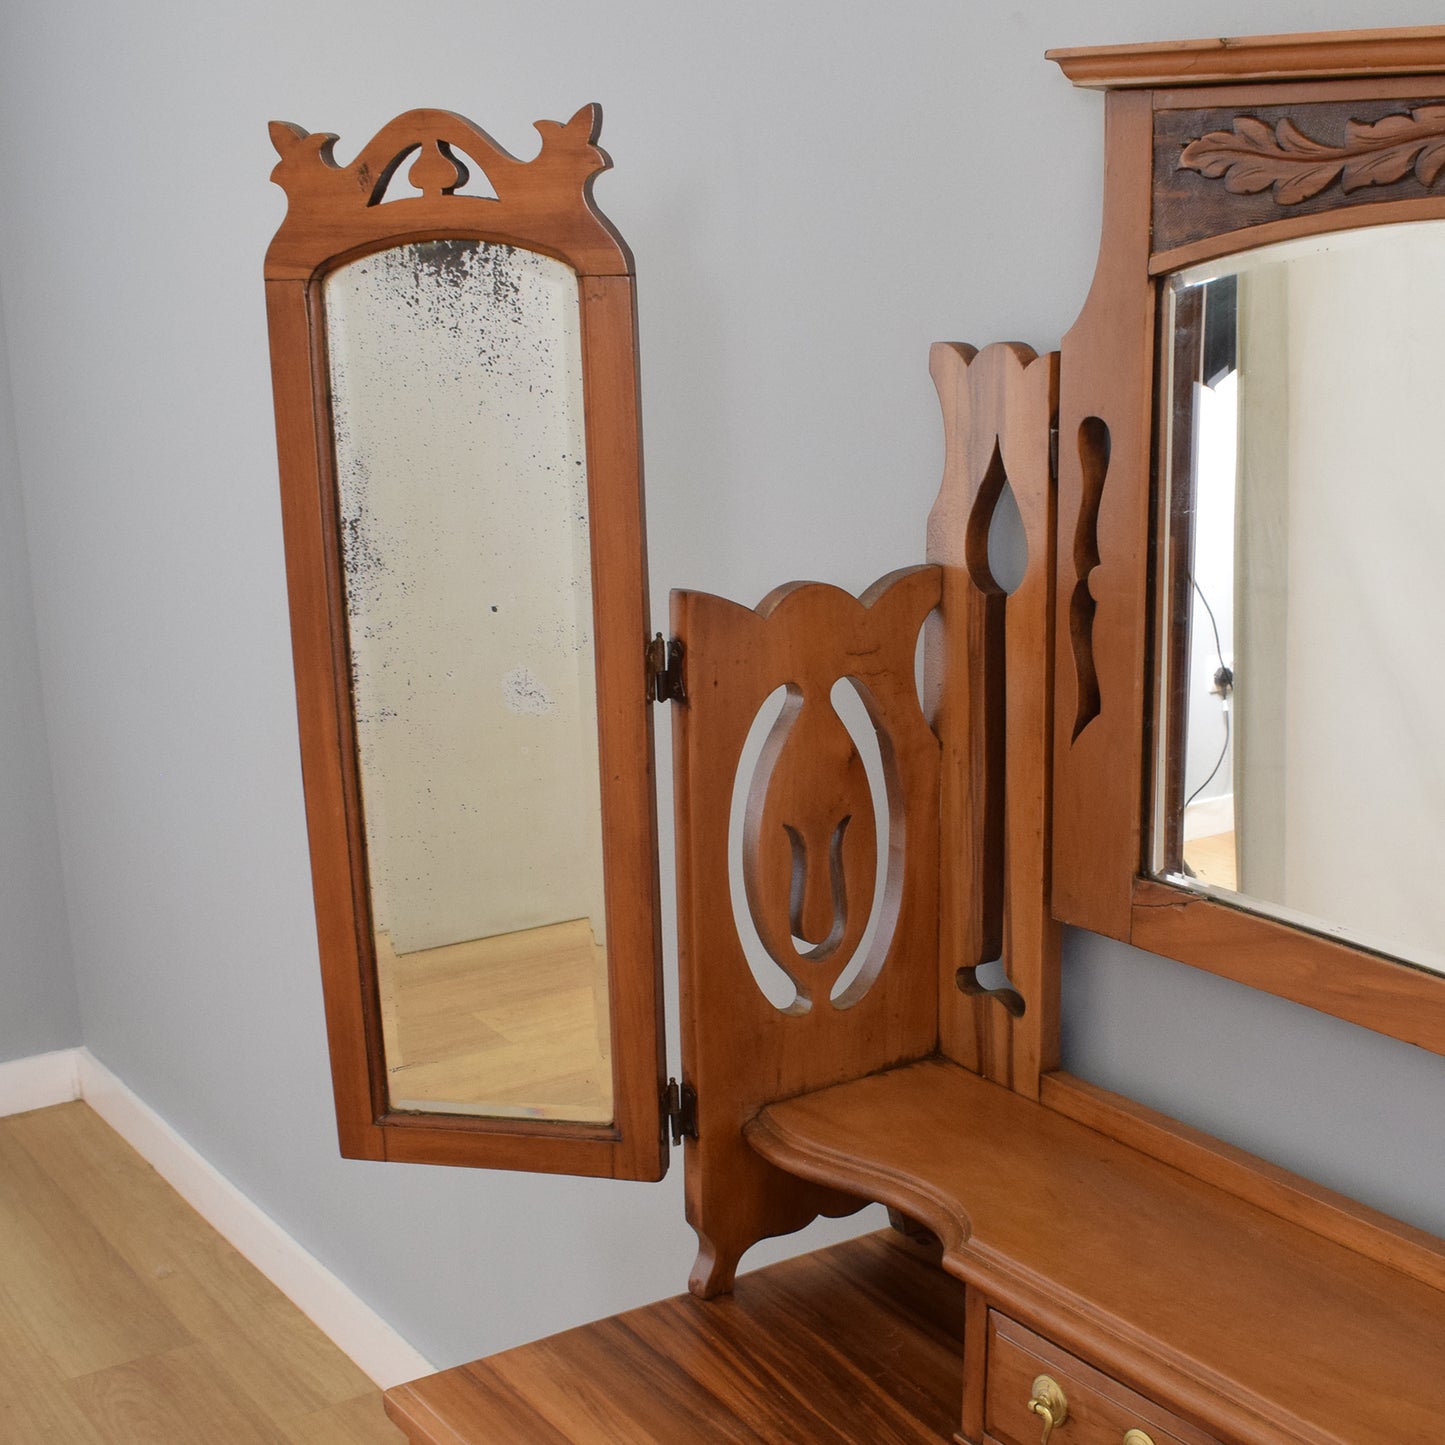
(513, 1026)
(1213, 859)
(125, 1318)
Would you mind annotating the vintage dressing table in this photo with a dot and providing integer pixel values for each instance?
(455, 378)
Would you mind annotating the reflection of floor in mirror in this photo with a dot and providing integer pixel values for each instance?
(514, 1026)
(1212, 859)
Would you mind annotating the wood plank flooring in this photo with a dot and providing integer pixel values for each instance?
(125, 1318)
(1212, 859)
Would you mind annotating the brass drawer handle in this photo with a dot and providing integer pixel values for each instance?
(1136, 1437)
(1050, 1403)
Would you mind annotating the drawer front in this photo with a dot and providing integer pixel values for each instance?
(1100, 1410)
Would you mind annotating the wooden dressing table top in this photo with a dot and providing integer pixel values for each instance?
(862, 1341)
(1215, 1307)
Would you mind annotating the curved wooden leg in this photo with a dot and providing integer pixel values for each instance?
(714, 1269)
(742, 1202)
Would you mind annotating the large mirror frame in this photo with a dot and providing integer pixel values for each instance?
(1160, 216)
(336, 214)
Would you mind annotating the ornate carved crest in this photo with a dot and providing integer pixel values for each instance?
(544, 204)
(1254, 156)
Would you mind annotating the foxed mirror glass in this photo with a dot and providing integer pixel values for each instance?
(455, 370)
(1300, 772)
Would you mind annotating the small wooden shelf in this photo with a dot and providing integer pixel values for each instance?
(862, 1341)
(1211, 1305)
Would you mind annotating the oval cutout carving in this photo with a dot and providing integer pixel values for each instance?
(810, 835)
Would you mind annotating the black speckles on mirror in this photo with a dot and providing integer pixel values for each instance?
(460, 451)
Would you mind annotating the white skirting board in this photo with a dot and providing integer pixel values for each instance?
(39, 1081)
(1209, 817)
(356, 1329)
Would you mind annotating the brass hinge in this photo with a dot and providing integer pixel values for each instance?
(664, 670)
(679, 1107)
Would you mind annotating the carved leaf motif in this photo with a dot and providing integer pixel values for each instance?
(1295, 141)
(1254, 156)
(1430, 162)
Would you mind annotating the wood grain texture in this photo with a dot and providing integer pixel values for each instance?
(544, 204)
(1106, 380)
(1418, 50)
(1317, 223)
(63, 1285)
(738, 1050)
(1230, 1316)
(975, 1366)
(1364, 988)
(333, 215)
(858, 1342)
(1332, 1216)
(991, 704)
(124, 1317)
(1100, 1409)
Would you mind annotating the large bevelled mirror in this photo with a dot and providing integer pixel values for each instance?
(1300, 772)
(1245, 776)
(457, 417)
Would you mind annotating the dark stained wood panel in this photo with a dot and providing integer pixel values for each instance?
(1190, 204)
(862, 1341)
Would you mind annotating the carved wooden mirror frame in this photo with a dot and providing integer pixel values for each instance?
(335, 214)
(1160, 215)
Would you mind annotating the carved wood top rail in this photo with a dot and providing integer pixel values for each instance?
(544, 204)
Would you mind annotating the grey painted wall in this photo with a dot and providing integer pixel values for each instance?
(39, 1009)
(814, 192)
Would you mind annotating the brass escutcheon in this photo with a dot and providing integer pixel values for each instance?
(1051, 1405)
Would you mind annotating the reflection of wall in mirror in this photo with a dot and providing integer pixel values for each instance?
(1347, 338)
(456, 381)
(1208, 767)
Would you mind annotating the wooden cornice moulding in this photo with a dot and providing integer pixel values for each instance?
(544, 204)
(1323, 55)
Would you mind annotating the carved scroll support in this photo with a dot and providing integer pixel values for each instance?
(809, 863)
